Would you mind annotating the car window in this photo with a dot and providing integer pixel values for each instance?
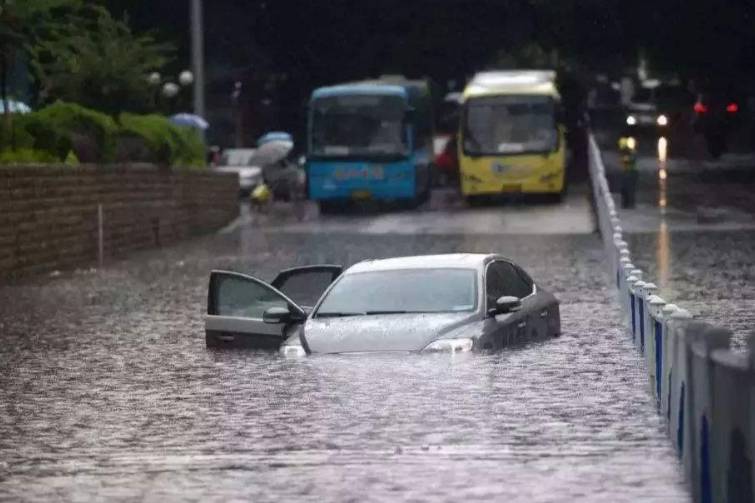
(305, 288)
(406, 290)
(529, 284)
(502, 279)
(245, 298)
(237, 157)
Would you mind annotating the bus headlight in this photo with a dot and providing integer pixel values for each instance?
(662, 120)
(451, 345)
(631, 120)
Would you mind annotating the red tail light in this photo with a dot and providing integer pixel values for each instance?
(700, 108)
(732, 108)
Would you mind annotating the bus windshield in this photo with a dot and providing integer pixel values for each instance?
(359, 125)
(499, 125)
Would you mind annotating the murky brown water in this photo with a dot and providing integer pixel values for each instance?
(109, 393)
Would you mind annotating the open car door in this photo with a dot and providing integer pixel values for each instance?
(305, 285)
(237, 303)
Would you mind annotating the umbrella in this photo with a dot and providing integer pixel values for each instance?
(274, 136)
(272, 152)
(15, 107)
(189, 120)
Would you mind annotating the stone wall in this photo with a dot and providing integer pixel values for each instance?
(49, 215)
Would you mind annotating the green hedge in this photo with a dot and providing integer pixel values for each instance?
(78, 123)
(167, 143)
(65, 131)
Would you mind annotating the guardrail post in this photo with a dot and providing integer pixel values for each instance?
(701, 406)
(639, 315)
(668, 357)
(648, 289)
(655, 346)
(624, 291)
(624, 259)
(732, 435)
(631, 311)
(679, 402)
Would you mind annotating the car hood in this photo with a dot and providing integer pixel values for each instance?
(388, 332)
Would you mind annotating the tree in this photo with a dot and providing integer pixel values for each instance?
(97, 61)
(18, 20)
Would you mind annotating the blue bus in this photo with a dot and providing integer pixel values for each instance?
(369, 141)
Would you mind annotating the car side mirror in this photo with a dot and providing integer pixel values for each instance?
(507, 304)
(276, 315)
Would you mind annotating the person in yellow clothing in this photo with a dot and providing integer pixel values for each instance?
(628, 151)
(261, 196)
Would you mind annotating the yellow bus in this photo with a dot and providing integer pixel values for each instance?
(510, 137)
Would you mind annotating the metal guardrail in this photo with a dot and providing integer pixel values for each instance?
(705, 390)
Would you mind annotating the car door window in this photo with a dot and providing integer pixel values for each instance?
(515, 285)
(243, 297)
(495, 283)
(503, 279)
(529, 285)
(305, 285)
(305, 289)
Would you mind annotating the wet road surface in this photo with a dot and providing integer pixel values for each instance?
(109, 392)
(693, 232)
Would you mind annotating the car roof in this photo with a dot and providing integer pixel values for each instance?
(451, 260)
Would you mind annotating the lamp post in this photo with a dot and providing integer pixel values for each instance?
(170, 90)
(197, 54)
(154, 79)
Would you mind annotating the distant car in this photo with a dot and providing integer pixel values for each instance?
(241, 161)
(717, 116)
(658, 107)
(454, 303)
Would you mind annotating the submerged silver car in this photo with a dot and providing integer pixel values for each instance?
(455, 302)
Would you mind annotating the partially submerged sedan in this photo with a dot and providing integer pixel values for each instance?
(455, 302)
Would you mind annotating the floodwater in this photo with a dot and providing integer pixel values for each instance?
(693, 233)
(109, 393)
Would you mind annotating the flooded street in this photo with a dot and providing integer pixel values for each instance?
(110, 393)
(692, 232)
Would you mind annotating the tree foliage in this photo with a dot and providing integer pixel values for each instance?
(95, 60)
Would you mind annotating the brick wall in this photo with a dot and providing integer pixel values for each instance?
(48, 215)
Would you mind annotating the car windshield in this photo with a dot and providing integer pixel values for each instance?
(643, 95)
(509, 124)
(402, 291)
(344, 126)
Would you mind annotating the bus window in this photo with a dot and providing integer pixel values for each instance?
(500, 125)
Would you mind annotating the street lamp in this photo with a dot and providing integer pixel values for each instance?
(186, 78)
(169, 89)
